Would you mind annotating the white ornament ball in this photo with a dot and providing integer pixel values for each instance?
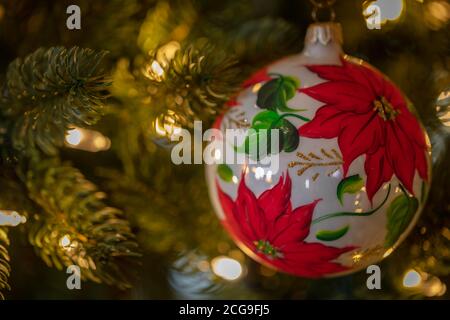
(349, 177)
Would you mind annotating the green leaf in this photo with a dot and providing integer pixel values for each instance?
(331, 235)
(399, 215)
(350, 184)
(225, 172)
(289, 136)
(265, 119)
(274, 94)
(262, 123)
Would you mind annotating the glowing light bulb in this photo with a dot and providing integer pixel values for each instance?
(87, 140)
(379, 12)
(168, 128)
(74, 136)
(156, 68)
(226, 268)
(391, 9)
(11, 218)
(437, 14)
(435, 288)
(65, 241)
(412, 279)
(101, 143)
(167, 52)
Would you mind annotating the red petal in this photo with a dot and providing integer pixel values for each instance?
(411, 127)
(230, 222)
(313, 252)
(316, 270)
(347, 96)
(361, 134)
(367, 75)
(400, 154)
(293, 227)
(276, 201)
(312, 259)
(257, 77)
(326, 123)
(394, 96)
(378, 171)
(225, 201)
(330, 72)
(249, 215)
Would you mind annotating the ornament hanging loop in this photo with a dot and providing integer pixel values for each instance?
(323, 5)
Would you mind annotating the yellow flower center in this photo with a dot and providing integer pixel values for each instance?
(385, 109)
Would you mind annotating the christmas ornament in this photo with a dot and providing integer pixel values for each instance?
(353, 163)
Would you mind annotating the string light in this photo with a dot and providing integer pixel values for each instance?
(435, 288)
(74, 137)
(412, 279)
(437, 14)
(167, 52)
(166, 126)
(154, 71)
(226, 268)
(87, 140)
(156, 68)
(65, 241)
(11, 218)
(418, 282)
(379, 12)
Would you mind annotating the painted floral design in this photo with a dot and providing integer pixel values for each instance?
(370, 117)
(275, 232)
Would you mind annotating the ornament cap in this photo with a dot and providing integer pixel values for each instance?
(323, 39)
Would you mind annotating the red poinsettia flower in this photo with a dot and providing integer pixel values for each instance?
(368, 115)
(269, 227)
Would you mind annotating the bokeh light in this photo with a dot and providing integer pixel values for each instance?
(226, 268)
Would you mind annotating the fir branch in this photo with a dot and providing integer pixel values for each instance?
(13, 196)
(76, 226)
(50, 90)
(196, 83)
(5, 269)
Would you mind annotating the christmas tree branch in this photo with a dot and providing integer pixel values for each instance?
(195, 84)
(76, 227)
(50, 90)
(5, 269)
